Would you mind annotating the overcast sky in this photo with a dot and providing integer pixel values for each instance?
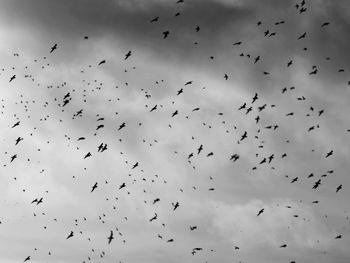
(227, 68)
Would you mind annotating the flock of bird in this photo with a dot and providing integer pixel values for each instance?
(66, 96)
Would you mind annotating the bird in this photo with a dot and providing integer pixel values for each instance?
(154, 108)
(155, 19)
(314, 72)
(13, 157)
(260, 212)
(99, 127)
(87, 155)
(71, 234)
(135, 165)
(166, 34)
(154, 217)
(294, 180)
(255, 98)
(317, 184)
(102, 62)
(244, 136)
(110, 237)
(200, 149)
(330, 153)
(174, 113)
(256, 59)
(179, 91)
(53, 48)
(283, 246)
(27, 259)
(242, 107)
(156, 200)
(175, 205)
(234, 157)
(127, 55)
(121, 126)
(302, 36)
(339, 188)
(12, 78)
(18, 140)
(93, 187)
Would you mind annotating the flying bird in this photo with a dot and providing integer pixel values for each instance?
(53, 48)
(339, 188)
(154, 19)
(260, 212)
(127, 55)
(166, 34)
(94, 187)
(110, 237)
(330, 153)
(121, 126)
(102, 62)
(302, 36)
(154, 217)
(71, 234)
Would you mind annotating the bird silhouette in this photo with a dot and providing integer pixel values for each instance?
(166, 34)
(154, 217)
(260, 212)
(110, 237)
(339, 188)
(155, 19)
(127, 55)
(94, 187)
(53, 48)
(302, 36)
(71, 234)
(12, 78)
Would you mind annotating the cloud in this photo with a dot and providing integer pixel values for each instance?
(161, 144)
(239, 223)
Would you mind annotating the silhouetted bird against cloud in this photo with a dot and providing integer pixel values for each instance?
(71, 234)
(12, 78)
(166, 34)
(53, 48)
(154, 19)
(127, 55)
(94, 187)
(260, 212)
(110, 237)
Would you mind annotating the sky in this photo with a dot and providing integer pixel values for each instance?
(263, 81)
